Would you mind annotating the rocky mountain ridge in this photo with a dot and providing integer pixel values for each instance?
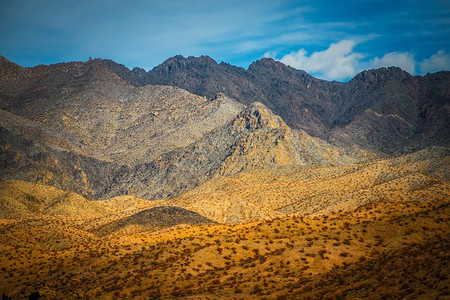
(81, 127)
(385, 110)
(248, 195)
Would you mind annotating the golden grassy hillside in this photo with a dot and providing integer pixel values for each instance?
(394, 248)
(281, 191)
(374, 230)
(21, 199)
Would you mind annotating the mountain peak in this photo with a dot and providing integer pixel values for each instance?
(204, 58)
(190, 59)
(257, 116)
(4, 60)
(179, 62)
(269, 65)
(381, 74)
(263, 63)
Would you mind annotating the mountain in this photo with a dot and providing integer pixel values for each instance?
(290, 192)
(385, 110)
(81, 127)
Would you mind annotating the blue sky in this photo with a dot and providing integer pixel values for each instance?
(332, 40)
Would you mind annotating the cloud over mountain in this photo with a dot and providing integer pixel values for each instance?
(437, 62)
(340, 61)
(403, 60)
(337, 62)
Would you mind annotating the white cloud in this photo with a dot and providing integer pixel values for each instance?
(335, 63)
(404, 60)
(437, 62)
(341, 62)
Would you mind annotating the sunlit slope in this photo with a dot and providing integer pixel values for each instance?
(354, 231)
(279, 191)
(21, 199)
(254, 194)
(30, 201)
(394, 249)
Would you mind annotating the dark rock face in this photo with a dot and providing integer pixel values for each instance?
(385, 110)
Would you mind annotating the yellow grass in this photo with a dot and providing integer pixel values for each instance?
(369, 230)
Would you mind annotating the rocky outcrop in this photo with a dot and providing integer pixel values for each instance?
(255, 138)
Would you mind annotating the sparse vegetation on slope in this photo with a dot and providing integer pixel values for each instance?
(280, 191)
(274, 258)
(365, 248)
